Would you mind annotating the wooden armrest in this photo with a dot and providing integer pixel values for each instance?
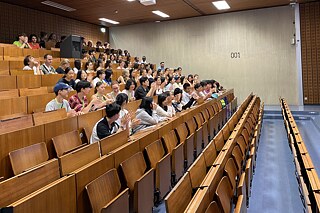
(118, 204)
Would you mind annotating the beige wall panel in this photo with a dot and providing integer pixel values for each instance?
(203, 45)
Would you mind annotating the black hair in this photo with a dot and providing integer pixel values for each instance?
(146, 104)
(79, 74)
(189, 77)
(122, 98)
(99, 72)
(182, 78)
(108, 62)
(203, 83)
(26, 60)
(161, 98)
(51, 36)
(33, 35)
(108, 73)
(169, 80)
(177, 91)
(186, 85)
(87, 65)
(98, 84)
(77, 64)
(46, 56)
(197, 86)
(112, 109)
(128, 84)
(82, 84)
(135, 66)
(143, 79)
(68, 69)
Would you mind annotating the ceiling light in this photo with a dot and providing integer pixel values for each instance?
(130, 0)
(59, 6)
(159, 13)
(157, 21)
(109, 21)
(103, 30)
(221, 5)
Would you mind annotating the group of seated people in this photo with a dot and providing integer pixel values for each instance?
(174, 92)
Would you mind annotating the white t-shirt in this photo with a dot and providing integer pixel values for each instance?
(34, 68)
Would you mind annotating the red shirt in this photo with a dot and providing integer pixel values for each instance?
(36, 46)
(77, 104)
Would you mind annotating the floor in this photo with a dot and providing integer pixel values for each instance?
(274, 187)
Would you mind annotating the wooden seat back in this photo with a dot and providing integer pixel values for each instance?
(133, 168)
(219, 141)
(170, 140)
(192, 126)
(66, 142)
(224, 194)
(210, 154)
(49, 117)
(28, 157)
(78, 158)
(155, 152)
(4, 65)
(213, 208)
(180, 196)
(88, 120)
(182, 132)
(50, 80)
(197, 171)
(103, 190)
(231, 171)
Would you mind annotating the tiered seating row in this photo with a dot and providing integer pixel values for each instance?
(200, 189)
(306, 173)
(92, 165)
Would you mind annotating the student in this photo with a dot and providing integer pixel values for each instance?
(61, 90)
(165, 109)
(46, 67)
(129, 89)
(122, 101)
(22, 41)
(99, 91)
(108, 125)
(33, 44)
(176, 102)
(143, 90)
(115, 90)
(188, 98)
(68, 78)
(79, 101)
(100, 77)
(63, 66)
(147, 114)
(81, 76)
(31, 64)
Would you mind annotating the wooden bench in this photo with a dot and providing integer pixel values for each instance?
(28, 157)
(8, 82)
(50, 80)
(33, 91)
(15, 122)
(21, 185)
(114, 141)
(38, 103)
(140, 182)
(49, 117)
(7, 94)
(58, 196)
(28, 81)
(105, 194)
(188, 142)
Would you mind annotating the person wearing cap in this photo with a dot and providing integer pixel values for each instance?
(61, 90)
(79, 101)
(22, 41)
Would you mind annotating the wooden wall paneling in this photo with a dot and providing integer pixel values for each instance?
(309, 54)
(314, 55)
(304, 54)
(317, 48)
(16, 140)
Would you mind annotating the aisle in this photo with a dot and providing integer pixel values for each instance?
(274, 186)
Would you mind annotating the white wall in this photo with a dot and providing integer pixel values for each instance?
(203, 45)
